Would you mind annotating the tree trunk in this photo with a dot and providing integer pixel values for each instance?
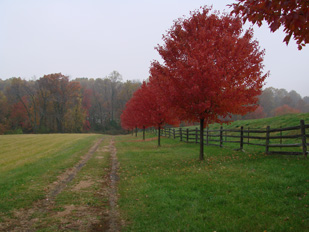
(159, 131)
(135, 131)
(202, 139)
(143, 132)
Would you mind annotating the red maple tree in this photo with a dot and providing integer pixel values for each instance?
(292, 15)
(135, 113)
(128, 119)
(145, 109)
(212, 68)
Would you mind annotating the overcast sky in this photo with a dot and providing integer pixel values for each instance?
(91, 38)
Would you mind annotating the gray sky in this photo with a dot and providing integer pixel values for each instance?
(91, 38)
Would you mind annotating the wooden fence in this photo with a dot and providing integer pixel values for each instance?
(289, 140)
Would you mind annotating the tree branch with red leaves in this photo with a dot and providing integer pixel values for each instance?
(293, 16)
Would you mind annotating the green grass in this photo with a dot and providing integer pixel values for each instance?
(274, 122)
(168, 189)
(90, 201)
(261, 124)
(160, 189)
(28, 163)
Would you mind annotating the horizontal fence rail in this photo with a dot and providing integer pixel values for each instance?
(288, 138)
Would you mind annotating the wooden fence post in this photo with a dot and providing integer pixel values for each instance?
(196, 135)
(159, 136)
(207, 131)
(267, 140)
(221, 136)
(280, 136)
(187, 135)
(180, 132)
(174, 133)
(248, 134)
(303, 134)
(241, 138)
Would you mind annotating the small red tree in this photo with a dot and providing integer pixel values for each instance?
(128, 117)
(292, 15)
(147, 109)
(135, 114)
(211, 68)
(285, 109)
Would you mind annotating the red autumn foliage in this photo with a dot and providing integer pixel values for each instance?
(212, 68)
(285, 109)
(132, 117)
(145, 110)
(19, 116)
(292, 15)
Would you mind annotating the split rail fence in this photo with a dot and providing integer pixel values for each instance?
(288, 141)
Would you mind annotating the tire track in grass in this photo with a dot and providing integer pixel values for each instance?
(24, 220)
(111, 222)
(70, 174)
(114, 218)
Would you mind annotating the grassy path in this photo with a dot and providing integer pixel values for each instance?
(114, 223)
(77, 193)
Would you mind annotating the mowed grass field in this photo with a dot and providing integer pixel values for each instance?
(169, 189)
(29, 163)
(160, 188)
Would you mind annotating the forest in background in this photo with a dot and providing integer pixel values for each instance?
(275, 102)
(56, 104)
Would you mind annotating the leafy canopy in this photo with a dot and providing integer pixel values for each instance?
(292, 15)
(212, 68)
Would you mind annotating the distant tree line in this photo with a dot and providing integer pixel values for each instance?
(275, 102)
(56, 104)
